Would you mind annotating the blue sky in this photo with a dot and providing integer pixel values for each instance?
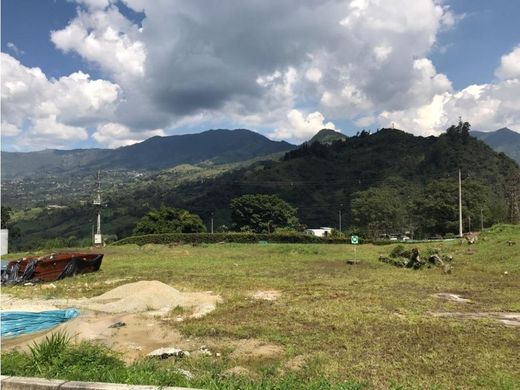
(114, 73)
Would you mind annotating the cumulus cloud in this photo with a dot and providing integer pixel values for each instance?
(299, 127)
(114, 135)
(106, 37)
(36, 108)
(487, 107)
(200, 59)
(509, 65)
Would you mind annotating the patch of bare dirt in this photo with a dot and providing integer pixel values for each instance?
(142, 306)
(139, 336)
(297, 363)
(253, 349)
(509, 319)
(238, 371)
(268, 295)
(452, 297)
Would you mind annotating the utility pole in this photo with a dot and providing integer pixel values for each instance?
(339, 220)
(98, 238)
(469, 224)
(481, 219)
(211, 223)
(460, 205)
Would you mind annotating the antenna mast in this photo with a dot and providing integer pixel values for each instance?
(98, 238)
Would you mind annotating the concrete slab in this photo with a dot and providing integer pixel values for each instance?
(22, 383)
(112, 386)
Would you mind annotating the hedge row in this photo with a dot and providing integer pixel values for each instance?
(208, 238)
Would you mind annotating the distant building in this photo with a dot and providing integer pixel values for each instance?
(321, 232)
(4, 242)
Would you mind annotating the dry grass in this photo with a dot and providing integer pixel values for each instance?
(368, 322)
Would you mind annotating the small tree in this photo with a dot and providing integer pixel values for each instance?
(7, 223)
(169, 220)
(262, 213)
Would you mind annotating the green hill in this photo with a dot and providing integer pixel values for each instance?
(327, 136)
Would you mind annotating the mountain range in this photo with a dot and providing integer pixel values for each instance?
(414, 178)
(211, 147)
(503, 140)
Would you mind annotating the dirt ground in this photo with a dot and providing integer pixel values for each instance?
(145, 308)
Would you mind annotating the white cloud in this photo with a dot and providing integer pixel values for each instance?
(55, 109)
(509, 65)
(487, 107)
(114, 135)
(106, 37)
(48, 127)
(299, 127)
(11, 46)
(9, 130)
(313, 74)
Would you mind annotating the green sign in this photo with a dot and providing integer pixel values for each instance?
(354, 240)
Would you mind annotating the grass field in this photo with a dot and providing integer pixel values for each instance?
(369, 324)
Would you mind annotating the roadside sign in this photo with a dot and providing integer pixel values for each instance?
(354, 239)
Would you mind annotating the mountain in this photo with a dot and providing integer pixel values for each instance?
(413, 178)
(212, 146)
(503, 140)
(327, 136)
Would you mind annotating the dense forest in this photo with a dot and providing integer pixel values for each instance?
(389, 182)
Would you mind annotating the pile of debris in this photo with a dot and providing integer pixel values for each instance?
(402, 257)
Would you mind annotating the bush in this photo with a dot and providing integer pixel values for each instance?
(245, 238)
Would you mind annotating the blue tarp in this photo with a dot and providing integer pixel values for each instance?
(15, 323)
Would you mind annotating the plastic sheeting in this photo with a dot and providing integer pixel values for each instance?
(15, 323)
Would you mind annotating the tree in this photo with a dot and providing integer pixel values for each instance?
(14, 231)
(6, 216)
(169, 220)
(262, 213)
(379, 210)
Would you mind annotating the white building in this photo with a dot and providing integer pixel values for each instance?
(4, 238)
(321, 232)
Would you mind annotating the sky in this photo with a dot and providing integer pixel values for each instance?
(109, 73)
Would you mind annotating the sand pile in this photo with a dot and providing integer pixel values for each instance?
(150, 296)
(146, 296)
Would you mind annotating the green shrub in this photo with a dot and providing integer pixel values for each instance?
(245, 238)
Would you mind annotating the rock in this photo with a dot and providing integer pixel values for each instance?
(436, 260)
(415, 261)
(353, 262)
(506, 273)
(165, 353)
(511, 243)
(205, 351)
(184, 373)
(446, 269)
(117, 325)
